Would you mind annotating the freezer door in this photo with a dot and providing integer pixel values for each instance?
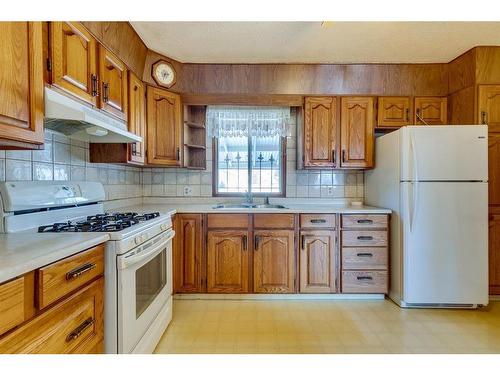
(444, 153)
(445, 242)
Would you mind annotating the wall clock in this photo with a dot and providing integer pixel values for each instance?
(163, 73)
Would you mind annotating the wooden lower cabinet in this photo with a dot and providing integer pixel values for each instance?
(188, 254)
(274, 261)
(317, 261)
(494, 253)
(227, 261)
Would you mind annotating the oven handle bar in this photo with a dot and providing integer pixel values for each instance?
(127, 261)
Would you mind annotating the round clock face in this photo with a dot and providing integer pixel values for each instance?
(164, 74)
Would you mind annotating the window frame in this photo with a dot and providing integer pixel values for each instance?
(216, 193)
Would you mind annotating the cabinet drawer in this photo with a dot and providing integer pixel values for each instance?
(362, 258)
(64, 276)
(228, 221)
(75, 325)
(364, 238)
(16, 301)
(364, 282)
(364, 221)
(277, 221)
(317, 221)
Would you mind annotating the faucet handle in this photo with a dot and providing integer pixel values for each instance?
(266, 200)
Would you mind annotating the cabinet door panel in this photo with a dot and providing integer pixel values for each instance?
(489, 106)
(137, 117)
(494, 254)
(113, 75)
(433, 110)
(21, 83)
(164, 127)
(317, 262)
(73, 59)
(274, 261)
(356, 133)
(494, 169)
(320, 132)
(227, 262)
(393, 111)
(188, 253)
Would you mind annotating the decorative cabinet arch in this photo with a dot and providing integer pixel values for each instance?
(432, 110)
(393, 111)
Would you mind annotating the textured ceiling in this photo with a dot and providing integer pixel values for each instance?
(309, 42)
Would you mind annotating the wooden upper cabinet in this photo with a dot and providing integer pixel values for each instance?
(494, 169)
(393, 111)
(21, 85)
(74, 61)
(227, 261)
(273, 261)
(494, 254)
(489, 106)
(432, 110)
(137, 117)
(114, 84)
(320, 129)
(164, 136)
(356, 132)
(187, 253)
(317, 262)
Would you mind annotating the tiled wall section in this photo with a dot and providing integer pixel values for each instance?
(63, 159)
(300, 183)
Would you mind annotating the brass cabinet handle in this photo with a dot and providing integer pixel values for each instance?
(134, 148)
(93, 77)
(333, 157)
(244, 242)
(364, 278)
(365, 221)
(365, 238)
(77, 332)
(483, 117)
(105, 92)
(303, 242)
(178, 154)
(318, 221)
(407, 114)
(369, 255)
(79, 271)
(256, 243)
(343, 156)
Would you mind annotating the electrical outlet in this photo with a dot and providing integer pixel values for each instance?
(188, 191)
(329, 191)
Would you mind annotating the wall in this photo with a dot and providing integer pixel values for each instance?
(62, 160)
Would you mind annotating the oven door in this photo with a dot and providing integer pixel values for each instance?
(144, 287)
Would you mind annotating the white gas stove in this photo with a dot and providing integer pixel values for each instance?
(138, 269)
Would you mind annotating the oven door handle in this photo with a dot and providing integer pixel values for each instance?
(127, 261)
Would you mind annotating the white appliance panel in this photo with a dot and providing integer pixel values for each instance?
(444, 153)
(445, 232)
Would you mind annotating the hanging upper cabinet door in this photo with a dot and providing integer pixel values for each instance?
(114, 84)
(320, 132)
(393, 111)
(489, 106)
(164, 127)
(356, 132)
(494, 169)
(73, 56)
(136, 118)
(432, 110)
(21, 85)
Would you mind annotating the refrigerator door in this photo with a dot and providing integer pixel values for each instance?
(445, 242)
(444, 153)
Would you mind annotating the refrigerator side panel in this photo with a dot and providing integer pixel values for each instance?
(382, 190)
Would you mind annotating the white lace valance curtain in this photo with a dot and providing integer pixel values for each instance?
(230, 121)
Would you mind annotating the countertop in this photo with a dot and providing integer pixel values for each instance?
(24, 252)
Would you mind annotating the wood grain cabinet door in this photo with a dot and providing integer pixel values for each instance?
(432, 110)
(188, 253)
(317, 262)
(136, 117)
(74, 61)
(320, 129)
(227, 261)
(21, 84)
(494, 254)
(393, 111)
(273, 261)
(494, 169)
(113, 96)
(356, 132)
(489, 106)
(164, 127)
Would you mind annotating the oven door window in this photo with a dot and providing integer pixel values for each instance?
(149, 281)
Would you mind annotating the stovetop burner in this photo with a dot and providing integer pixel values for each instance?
(107, 222)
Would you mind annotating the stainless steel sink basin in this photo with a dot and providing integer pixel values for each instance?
(236, 206)
(277, 206)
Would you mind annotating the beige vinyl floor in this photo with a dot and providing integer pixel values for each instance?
(319, 326)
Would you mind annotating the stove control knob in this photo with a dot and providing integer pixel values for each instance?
(163, 227)
(137, 240)
(144, 237)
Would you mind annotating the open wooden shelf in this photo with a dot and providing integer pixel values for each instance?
(195, 149)
(194, 125)
(195, 146)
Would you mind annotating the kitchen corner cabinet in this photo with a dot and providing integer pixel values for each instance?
(432, 110)
(320, 129)
(489, 107)
(164, 128)
(187, 257)
(494, 253)
(357, 124)
(21, 85)
(393, 111)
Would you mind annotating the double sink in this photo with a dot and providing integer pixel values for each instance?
(235, 206)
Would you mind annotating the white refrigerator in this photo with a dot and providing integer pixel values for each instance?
(435, 180)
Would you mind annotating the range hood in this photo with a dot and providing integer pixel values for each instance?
(79, 121)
